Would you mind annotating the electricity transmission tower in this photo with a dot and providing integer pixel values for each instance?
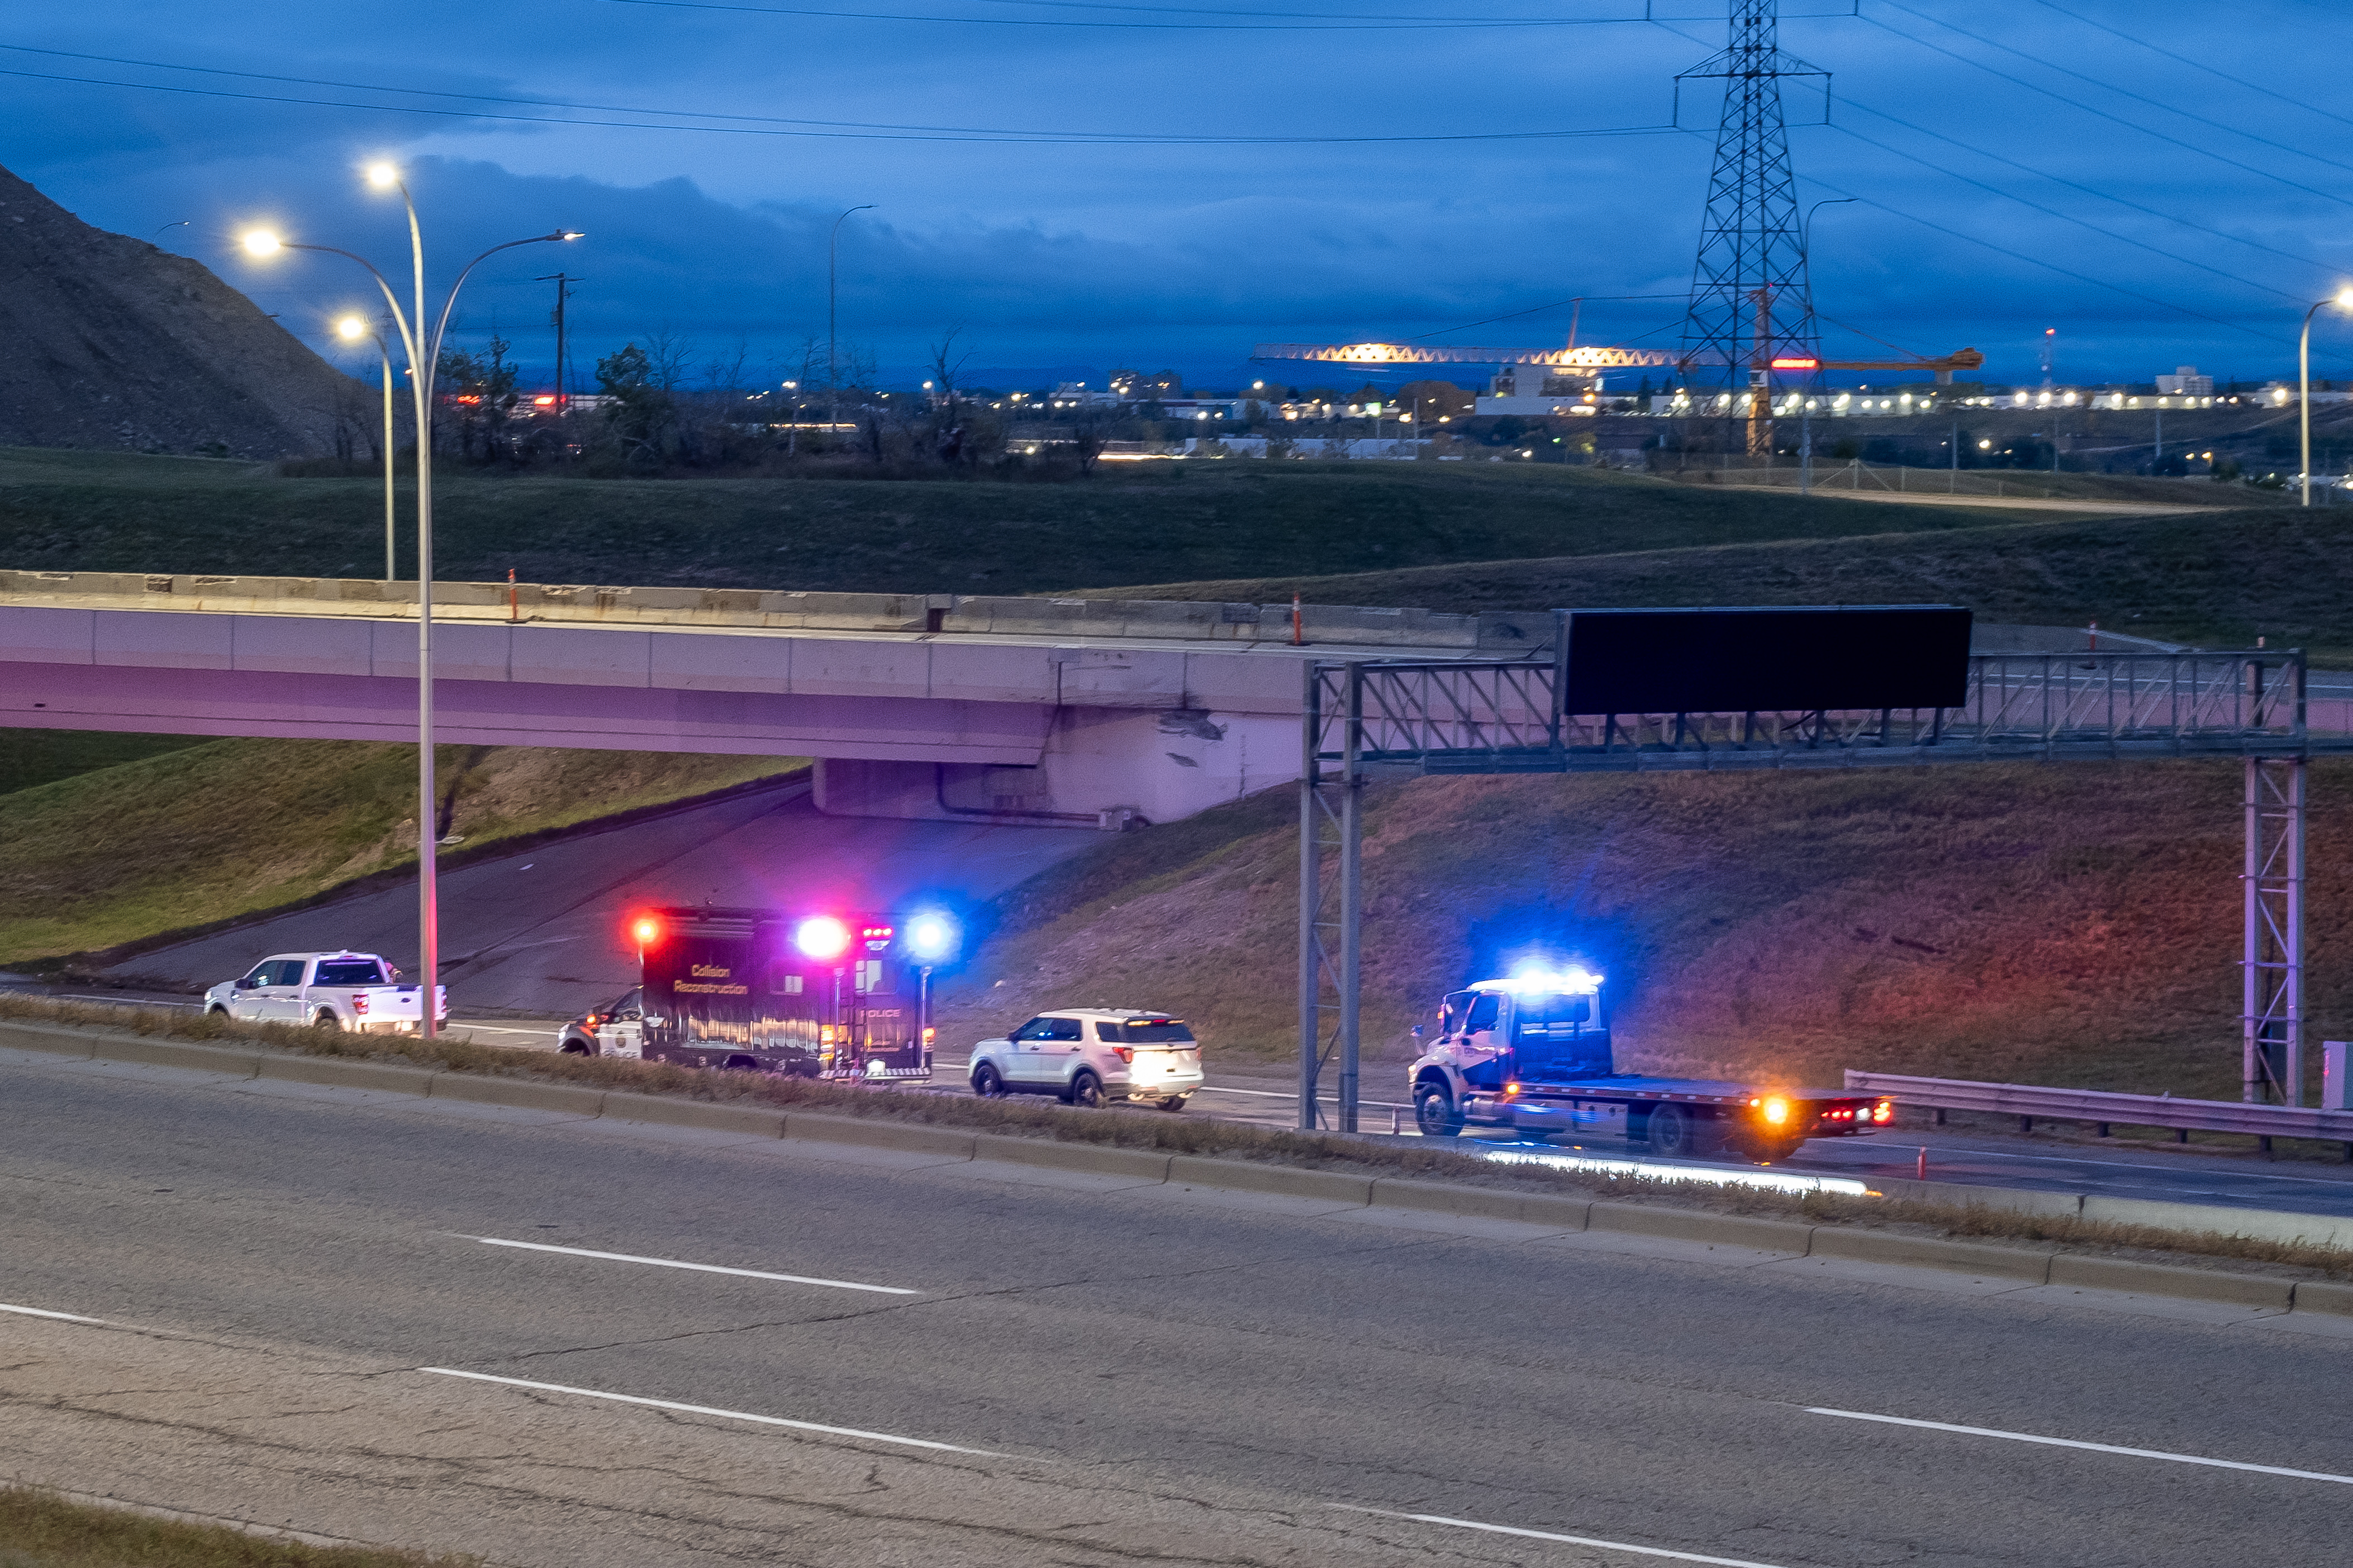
(1751, 303)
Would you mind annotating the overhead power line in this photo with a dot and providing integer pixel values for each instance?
(2159, 104)
(1240, 22)
(740, 124)
(2064, 217)
(2200, 65)
(2312, 261)
(2103, 114)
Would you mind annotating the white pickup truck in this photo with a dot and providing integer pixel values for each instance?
(349, 991)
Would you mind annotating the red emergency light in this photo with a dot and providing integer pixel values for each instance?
(1797, 361)
(646, 929)
(822, 936)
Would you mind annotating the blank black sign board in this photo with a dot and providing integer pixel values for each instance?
(1767, 660)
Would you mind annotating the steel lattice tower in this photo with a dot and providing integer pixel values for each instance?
(1751, 301)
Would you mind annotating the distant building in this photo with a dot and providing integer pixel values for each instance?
(2185, 382)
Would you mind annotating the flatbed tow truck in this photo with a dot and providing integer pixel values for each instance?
(1532, 1054)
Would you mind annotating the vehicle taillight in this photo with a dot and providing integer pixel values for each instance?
(359, 1002)
(1884, 1111)
(929, 1034)
(1126, 1053)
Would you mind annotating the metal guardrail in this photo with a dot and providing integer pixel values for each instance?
(2032, 1101)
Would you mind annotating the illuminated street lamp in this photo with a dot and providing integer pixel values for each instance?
(2343, 301)
(352, 329)
(424, 353)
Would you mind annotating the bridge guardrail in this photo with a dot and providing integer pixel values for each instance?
(2105, 1108)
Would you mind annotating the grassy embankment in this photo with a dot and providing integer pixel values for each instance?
(2210, 579)
(212, 829)
(1135, 523)
(39, 1529)
(2045, 924)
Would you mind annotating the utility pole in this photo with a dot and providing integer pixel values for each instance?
(2157, 458)
(563, 281)
(1953, 485)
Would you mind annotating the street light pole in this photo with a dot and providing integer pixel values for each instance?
(424, 352)
(832, 311)
(2342, 299)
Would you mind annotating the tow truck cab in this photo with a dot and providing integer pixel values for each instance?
(812, 995)
(1532, 1054)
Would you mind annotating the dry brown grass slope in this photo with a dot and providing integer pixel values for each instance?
(2075, 924)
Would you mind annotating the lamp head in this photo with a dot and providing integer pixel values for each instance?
(262, 242)
(351, 329)
(2345, 298)
(571, 234)
(383, 177)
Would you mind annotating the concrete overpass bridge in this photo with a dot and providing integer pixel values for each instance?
(1082, 711)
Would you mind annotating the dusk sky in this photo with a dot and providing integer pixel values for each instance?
(1073, 198)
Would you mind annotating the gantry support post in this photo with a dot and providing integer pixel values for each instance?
(2272, 1023)
(2272, 888)
(1330, 908)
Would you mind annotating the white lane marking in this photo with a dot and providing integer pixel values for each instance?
(708, 1410)
(1569, 1539)
(2094, 1448)
(698, 1268)
(61, 1317)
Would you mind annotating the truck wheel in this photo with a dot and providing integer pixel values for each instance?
(1769, 1150)
(1670, 1133)
(987, 1082)
(326, 1020)
(1434, 1113)
(575, 1046)
(1086, 1089)
(1174, 1102)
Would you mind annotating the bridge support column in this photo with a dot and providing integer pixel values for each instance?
(2271, 1018)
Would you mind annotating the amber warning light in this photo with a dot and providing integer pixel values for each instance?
(1797, 361)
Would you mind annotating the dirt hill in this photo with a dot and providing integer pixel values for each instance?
(111, 342)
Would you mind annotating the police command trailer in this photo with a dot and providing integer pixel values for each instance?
(815, 996)
(1532, 1054)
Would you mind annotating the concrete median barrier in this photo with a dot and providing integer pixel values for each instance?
(2030, 1266)
(1094, 1159)
(1690, 1224)
(1471, 1203)
(520, 1093)
(661, 1110)
(874, 1132)
(1278, 1181)
(177, 1054)
(2330, 1296)
(77, 1043)
(2164, 1279)
(341, 1072)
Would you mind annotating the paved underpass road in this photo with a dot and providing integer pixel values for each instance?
(540, 930)
(1084, 1375)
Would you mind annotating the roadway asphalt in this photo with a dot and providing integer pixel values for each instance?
(540, 932)
(301, 1323)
